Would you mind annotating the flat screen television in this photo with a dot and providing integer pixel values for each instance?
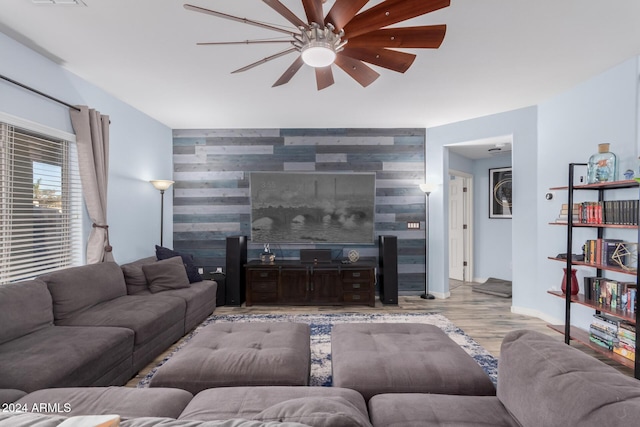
(306, 207)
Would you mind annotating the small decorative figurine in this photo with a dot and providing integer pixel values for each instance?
(267, 256)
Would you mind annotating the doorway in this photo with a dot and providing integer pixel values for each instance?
(460, 226)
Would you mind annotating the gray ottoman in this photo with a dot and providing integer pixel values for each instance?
(240, 354)
(376, 358)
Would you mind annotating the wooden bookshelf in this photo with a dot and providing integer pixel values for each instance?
(582, 224)
(580, 299)
(582, 337)
(600, 230)
(598, 266)
(625, 183)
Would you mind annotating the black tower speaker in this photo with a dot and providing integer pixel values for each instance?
(388, 269)
(235, 280)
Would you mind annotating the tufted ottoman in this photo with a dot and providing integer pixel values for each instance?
(240, 354)
(376, 358)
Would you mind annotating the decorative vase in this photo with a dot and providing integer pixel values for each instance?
(575, 287)
(602, 166)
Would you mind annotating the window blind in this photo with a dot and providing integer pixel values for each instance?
(41, 210)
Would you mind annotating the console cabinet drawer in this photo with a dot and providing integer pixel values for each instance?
(264, 297)
(356, 286)
(264, 287)
(264, 275)
(362, 276)
(356, 297)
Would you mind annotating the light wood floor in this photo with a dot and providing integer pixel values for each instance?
(486, 318)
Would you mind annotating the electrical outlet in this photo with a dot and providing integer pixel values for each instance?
(412, 225)
(200, 270)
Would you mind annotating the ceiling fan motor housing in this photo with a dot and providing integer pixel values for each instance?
(319, 46)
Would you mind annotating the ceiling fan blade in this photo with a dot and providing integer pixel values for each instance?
(236, 18)
(343, 11)
(386, 58)
(324, 77)
(358, 70)
(244, 42)
(390, 12)
(287, 75)
(263, 60)
(286, 13)
(313, 9)
(427, 37)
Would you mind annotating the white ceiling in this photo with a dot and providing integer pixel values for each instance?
(497, 55)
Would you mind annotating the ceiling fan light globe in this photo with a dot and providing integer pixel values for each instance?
(318, 54)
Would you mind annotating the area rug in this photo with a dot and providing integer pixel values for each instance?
(493, 286)
(321, 325)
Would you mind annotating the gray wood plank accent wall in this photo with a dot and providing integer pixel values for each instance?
(211, 198)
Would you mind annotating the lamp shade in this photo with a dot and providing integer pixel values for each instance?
(428, 187)
(161, 184)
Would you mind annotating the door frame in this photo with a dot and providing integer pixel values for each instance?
(467, 216)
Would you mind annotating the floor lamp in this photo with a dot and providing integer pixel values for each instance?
(162, 185)
(427, 189)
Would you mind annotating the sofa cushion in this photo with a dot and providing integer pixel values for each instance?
(78, 288)
(124, 401)
(28, 419)
(236, 422)
(166, 274)
(8, 395)
(25, 307)
(423, 409)
(147, 317)
(249, 402)
(60, 356)
(134, 276)
(200, 298)
(313, 411)
(187, 259)
(543, 381)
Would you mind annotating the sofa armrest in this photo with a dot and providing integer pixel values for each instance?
(543, 381)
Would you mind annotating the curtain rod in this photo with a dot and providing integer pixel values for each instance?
(38, 92)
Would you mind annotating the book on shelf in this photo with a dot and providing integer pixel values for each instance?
(611, 293)
(631, 355)
(609, 252)
(600, 342)
(612, 212)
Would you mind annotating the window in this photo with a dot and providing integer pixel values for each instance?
(41, 209)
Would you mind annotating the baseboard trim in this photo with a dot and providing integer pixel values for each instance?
(536, 313)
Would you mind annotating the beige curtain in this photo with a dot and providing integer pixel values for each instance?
(92, 138)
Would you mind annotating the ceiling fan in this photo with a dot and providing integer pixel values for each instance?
(346, 37)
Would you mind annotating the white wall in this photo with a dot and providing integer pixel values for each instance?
(140, 147)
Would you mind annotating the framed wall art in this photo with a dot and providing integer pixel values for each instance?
(500, 193)
(308, 207)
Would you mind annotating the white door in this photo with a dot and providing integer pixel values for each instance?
(456, 228)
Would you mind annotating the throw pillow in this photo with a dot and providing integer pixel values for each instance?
(187, 260)
(166, 274)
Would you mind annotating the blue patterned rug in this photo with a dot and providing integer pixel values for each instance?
(321, 325)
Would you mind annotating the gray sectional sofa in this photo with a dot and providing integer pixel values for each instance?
(82, 326)
(67, 335)
(541, 382)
